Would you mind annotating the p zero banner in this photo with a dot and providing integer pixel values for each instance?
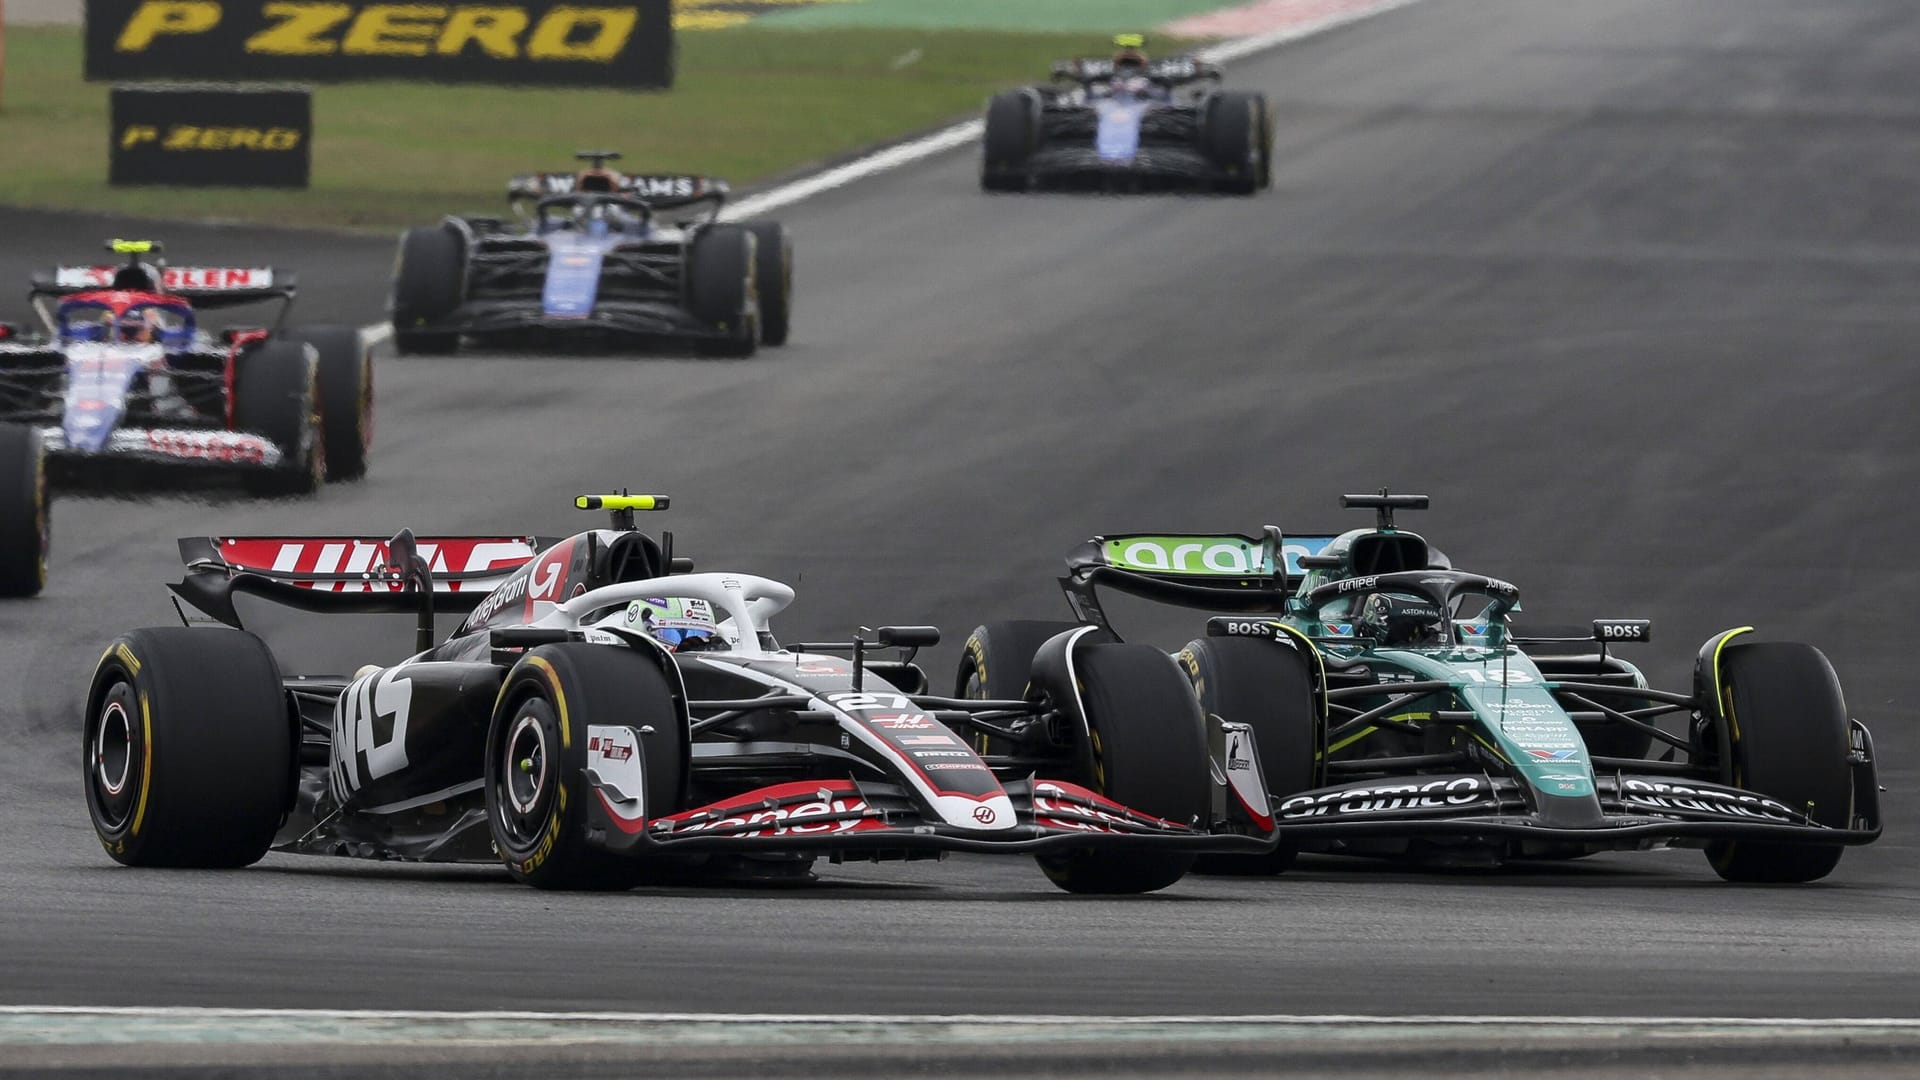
(512, 42)
(206, 136)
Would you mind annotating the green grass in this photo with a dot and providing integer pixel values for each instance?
(748, 104)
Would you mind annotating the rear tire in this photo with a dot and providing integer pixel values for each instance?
(1267, 687)
(1148, 752)
(428, 285)
(24, 532)
(1790, 743)
(275, 394)
(188, 748)
(996, 662)
(1009, 142)
(721, 289)
(773, 274)
(1235, 138)
(537, 790)
(346, 396)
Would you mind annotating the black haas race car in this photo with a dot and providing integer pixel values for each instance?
(1128, 123)
(1401, 716)
(602, 716)
(598, 258)
(125, 391)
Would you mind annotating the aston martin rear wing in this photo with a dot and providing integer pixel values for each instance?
(1216, 572)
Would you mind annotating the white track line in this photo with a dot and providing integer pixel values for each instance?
(187, 1012)
(952, 138)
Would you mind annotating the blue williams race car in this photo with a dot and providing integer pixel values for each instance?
(1128, 123)
(596, 258)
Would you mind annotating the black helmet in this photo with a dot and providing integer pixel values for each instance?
(1400, 619)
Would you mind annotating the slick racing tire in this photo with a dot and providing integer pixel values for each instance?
(721, 287)
(1007, 147)
(537, 790)
(995, 663)
(1237, 137)
(429, 281)
(1266, 686)
(1148, 751)
(188, 747)
(276, 394)
(24, 503)
(346, 396)
(1790, 741)
(773, 277)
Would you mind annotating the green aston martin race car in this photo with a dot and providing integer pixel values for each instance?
(1399, 714)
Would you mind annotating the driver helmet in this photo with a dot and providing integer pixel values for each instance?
(1129, 53)
(597, 181)
(675, 622)
(1401, 619)
(132, 330)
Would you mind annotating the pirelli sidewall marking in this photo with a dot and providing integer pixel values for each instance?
(547, 42)
(211, 136)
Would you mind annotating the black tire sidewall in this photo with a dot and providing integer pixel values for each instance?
(345, 377)
(773, 279)
(429, 283)
(274, 395)
(24, 512)
(212, 774)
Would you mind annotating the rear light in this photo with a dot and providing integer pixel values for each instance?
(7, 330)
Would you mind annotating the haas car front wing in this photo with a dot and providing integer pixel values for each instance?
(1036, 816)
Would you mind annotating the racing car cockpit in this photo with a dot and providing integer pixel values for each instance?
(119, 319)
(591, 213)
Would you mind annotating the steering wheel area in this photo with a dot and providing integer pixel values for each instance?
(1438, 587)
(566, 211)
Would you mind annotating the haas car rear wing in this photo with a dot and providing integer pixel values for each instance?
(1243, 574)
(349, 573)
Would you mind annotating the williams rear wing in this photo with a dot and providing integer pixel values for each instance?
(1217, 572)
(662, 191)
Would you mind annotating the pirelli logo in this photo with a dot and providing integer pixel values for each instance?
(227, 136)
(532, 41)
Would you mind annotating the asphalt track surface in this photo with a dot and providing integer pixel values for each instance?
(1628, 286)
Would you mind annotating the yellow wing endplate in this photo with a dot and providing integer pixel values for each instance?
(620, 502)
(1130, 41)
(131, 247)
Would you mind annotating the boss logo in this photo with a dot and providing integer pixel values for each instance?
(1623, 630)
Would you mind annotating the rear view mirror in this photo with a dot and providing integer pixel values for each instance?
(907, 637)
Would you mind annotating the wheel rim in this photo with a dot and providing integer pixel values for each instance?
(527, 767)
(113, 754)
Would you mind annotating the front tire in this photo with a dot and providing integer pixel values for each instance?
(1148, 751)
(345, 377)
(773, 274)
(276, 394)
(721, 289)
(1007, 146)
(1790, 741)
(24, 531)
(1267, 687)
(996, 661)
(1236, 137)
(429, 282)
(186, 767)
(536, 784)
